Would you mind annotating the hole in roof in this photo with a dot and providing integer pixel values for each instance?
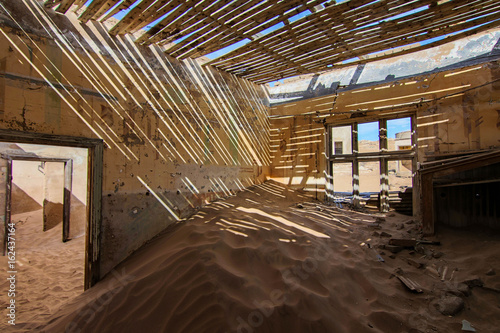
(435, 39)
(125, 11)
(408, 13)
(271, 84)
(227, 49)
(299, 16)
(366, 26)
(478, 17)
(423, 42)
(158, 20)
(392, 18)
(350, 60)
(109, 10)
(177, 41)
(268, 30)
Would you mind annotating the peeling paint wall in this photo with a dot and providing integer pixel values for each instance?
(457, 111)
(176, 134)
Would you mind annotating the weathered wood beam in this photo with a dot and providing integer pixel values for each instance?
(123, 5)
(91, 10)
(64, 6)
(174, 22)
(253, 25)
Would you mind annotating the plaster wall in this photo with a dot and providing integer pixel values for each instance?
(28, 183)
(53, 195)
(342, 134)
(176, 134)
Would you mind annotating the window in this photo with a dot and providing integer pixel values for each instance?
(368, 137)
(399, 134)
(367, 159)
(341, 140)
(338, 148)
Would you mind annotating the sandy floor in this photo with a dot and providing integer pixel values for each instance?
(49, 272)
(272, 260)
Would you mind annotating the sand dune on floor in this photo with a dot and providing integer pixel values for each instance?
(260, 262)
(49, 272)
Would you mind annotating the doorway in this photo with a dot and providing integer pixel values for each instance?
(87, 232)
(47, 215)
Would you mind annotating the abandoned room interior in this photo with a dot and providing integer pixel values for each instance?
(250, 165)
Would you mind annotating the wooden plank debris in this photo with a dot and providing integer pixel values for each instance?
(409, 243)
(410, 284)
(403, 242)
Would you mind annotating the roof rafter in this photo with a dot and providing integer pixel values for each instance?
(326, 34)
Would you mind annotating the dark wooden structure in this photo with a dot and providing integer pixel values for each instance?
(450, 173)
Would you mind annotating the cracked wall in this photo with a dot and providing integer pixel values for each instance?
(176, 135)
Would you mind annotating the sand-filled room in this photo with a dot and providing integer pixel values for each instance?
(247, 166)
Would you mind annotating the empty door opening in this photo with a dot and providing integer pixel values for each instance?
(87, 231)
(46, 204)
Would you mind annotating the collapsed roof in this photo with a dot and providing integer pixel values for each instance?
(285, 38)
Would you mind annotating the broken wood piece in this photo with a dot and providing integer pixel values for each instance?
(410, 284)
(453, 273)
(433, 271)
(414, 263)
(422, 241)
(411, 242)
(394, 248)
(444, 273)
(403, 242)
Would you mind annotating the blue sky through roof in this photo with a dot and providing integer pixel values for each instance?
(227, 49)
(369, 131)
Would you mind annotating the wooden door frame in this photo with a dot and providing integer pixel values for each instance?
(94, 190)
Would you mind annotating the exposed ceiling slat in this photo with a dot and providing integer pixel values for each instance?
(51, 3)
(249, 29)
(169, 26)
(104, 8)
(90, 11)
(123, 5)
(211, 24)
(356, 30)
(153, 13)
(316, 45)
(64, 6)
(215, 28)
